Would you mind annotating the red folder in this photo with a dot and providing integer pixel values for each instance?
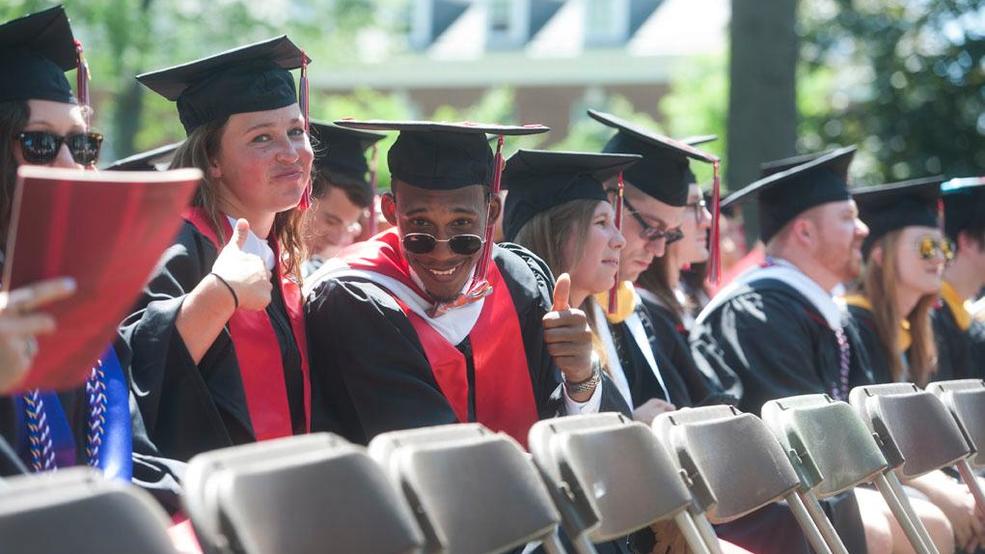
(105, 229)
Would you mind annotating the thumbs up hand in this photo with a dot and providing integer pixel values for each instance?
(568, 336)
(245, 273)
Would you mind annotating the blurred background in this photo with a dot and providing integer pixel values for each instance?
(903, 79)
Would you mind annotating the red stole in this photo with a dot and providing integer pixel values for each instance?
(504, 397)
(261, 367)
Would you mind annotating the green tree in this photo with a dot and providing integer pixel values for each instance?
(909, 86)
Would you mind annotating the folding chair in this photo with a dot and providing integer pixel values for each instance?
(965, 399)
(736, 458)
(832, 450)
(303, 494)
(472, 491)
(607, 465)
(77, 510)
(915, 432)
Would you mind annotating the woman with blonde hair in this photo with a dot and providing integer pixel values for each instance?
(904, 256)
(218, 337)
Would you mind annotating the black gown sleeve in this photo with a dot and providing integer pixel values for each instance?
(864, 323)
(174, 400)
(762, 347)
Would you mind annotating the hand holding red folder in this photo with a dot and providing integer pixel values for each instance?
(21, 322)
(104, 230)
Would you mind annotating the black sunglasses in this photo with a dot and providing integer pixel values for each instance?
(423, 243)
(651, 233)
(41, 147)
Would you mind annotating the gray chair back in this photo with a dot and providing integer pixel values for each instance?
(630, 476)
(733, 454)
(965, 398)
(828, 443)
(77, 510)
(915, 422)
(472, 494)
(300, 495)
(578, 512)
(382, 447)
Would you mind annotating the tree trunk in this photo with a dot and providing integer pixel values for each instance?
(762, 115)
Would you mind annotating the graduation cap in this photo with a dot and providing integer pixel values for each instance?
(784, 195)
(539, 180)
(964, 204)
(151, 160)
(893, 206)
(448, 156)
(341, 151)
(35, 52)
(776, 166)
(664, 172)
(250, 78)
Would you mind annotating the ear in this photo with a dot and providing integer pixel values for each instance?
(804, 231)
(495, 208)
(215, 172)
(388, 205)
(875, 255)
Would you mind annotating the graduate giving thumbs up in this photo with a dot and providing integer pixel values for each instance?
(238, 281)
(569, 342)
(244, 274)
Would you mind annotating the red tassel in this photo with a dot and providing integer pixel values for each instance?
(82, 81)
(613, 293)
(479, 280)
(372, 189)
(715, 263)
(305, 201)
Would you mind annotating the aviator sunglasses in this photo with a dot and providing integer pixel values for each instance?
(41, 147)
(929, 245)
(424, 243)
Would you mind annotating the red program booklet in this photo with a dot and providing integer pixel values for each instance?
(107, 230)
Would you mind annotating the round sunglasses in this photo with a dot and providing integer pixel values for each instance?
(41, 147)
(424, 243)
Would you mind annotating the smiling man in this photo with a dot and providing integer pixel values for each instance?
(429, 323)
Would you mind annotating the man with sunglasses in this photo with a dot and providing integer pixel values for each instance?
(656, 193)
(960, 337)
(429, 323)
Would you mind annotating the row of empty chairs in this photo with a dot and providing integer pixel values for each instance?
(464, 489)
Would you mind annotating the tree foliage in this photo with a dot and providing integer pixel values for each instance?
(908, 86)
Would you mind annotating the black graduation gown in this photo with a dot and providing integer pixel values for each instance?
(369, 371)
(767, 342)
(960, 353)
(670, 338)
(863, 321)
(643, 384)
(189, 408)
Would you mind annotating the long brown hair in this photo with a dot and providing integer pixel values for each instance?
(198, 150)
(14, 116)
(656, 279)
(879, 284)
(546, 235)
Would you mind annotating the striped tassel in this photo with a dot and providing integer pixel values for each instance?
(372, 189)
(479, 281)
(715, 262)
(305, 201)
(82, 82)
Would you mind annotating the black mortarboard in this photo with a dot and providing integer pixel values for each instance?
(247, 79)
(696, 141)
(663, 173)
(151, 160)
(893, 206)
(35, 52)
(442, 156)
(539, 180)
(341, 150)
(783, 196)
(776, 166)
(964, 204)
